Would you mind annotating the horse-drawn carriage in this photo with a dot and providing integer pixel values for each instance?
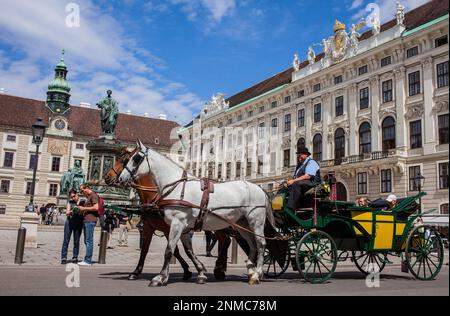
(314, 239)
(327, 231)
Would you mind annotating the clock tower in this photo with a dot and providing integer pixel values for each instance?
(58, 93)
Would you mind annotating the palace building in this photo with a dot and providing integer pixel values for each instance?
(70, 128)
(372, 107)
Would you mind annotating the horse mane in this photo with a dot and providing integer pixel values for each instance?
(168, 159)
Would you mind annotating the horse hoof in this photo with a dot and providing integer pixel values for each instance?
(201, 280)
(187, 276)
(253, 282)
(133, 277)
(156, 284)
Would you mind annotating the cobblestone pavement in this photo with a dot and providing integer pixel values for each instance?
(50, 242)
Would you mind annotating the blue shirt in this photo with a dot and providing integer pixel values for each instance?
(311, 167)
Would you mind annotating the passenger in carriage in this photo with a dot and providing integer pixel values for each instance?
(391, 201)
(306, 176)
(362, 201)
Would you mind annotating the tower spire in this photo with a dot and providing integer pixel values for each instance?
(58, 93)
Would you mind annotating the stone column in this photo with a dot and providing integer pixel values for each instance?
(428, 140)
(326, 120)
(400, 101)
(375, 107)
(30, 221)
(352, 108)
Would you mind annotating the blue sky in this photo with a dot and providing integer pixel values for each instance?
(163, 56)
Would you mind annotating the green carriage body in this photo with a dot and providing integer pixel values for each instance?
(367, 234)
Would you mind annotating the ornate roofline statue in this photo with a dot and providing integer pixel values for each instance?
(296, 62)
(311, 55)
(400, 14)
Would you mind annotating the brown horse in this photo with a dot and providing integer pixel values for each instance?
(154, 221)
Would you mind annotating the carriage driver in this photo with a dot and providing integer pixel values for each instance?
(306, 176)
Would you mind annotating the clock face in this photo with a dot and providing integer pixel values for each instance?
(60, 124)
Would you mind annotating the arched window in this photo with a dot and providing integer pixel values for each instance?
(388, 131)
(339, 146)
(341, 192)
(317, 147)
(301, 143)
(365, 135)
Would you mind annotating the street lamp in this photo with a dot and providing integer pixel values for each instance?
(419, 181)
(38, 130)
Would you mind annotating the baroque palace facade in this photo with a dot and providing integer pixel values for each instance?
(70, 128)
(372, 107)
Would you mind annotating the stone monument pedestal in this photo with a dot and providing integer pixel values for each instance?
(30, 221)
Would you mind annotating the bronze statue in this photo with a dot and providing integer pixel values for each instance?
(72, 179)
(109, 113)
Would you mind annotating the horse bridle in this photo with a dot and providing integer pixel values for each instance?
(138, 158)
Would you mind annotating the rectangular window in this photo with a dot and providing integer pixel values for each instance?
(238, 170)
(301, 93)
(443, 209)
(441, 41)
(443, 175)
(11, 138)
(261, 109)
(56, 164)
(260, 164)
(250, 113)
(339, 105)
(387, 91)
(316, 87)
(248, 171)
(274, 104)
(287, 158)
(413, 172)
(442, 75)
(287, 122)
(414, 83)
(287, 99)
(301, 117)
(53, 191)
(4, 186)
(274, 126)
(363, 70)
(317, 113)
(443, 129)
(386, 181)
(414, 51)
(362, 183)
(8, 159)
(79, 146)
(228, 171)
(239, 118)
(415, 134)
(338, 79)
(28, 188)
(364, 98)
(33, 161)
(2, 209)
(219, 171)
(386, 61)
(261, 131)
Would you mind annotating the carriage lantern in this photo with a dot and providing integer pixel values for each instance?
(419, 181)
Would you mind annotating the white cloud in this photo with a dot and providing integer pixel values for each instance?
(356, 4)
(388, 9)
(99, 53)
(216, 10)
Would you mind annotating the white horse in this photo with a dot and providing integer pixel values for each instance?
(238, 202)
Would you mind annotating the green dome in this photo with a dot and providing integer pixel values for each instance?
(59, 84)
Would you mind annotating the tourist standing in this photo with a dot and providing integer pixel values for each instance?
(73, 224)
(90, 212)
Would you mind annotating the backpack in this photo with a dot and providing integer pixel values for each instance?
(101, 209)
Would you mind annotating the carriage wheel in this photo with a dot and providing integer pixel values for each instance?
(363, 260)
(316, 257)
(272, 269)
(424, 252)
